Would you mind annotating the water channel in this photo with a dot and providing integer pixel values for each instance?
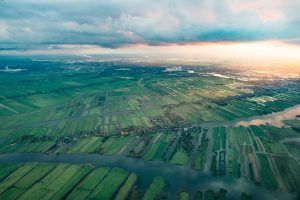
(177, 177)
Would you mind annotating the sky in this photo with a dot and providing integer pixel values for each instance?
(259, 28)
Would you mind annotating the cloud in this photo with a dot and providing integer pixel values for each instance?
(114, 23)
(3, 30)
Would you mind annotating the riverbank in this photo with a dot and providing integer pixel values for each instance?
(177, 177)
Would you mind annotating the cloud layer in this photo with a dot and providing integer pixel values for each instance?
(27, 24)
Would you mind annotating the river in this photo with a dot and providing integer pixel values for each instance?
(274, 119)
(177, 177)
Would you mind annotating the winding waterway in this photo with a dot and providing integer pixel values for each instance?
(177, 177)
(274, 119)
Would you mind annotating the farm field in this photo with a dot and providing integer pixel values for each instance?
(222, 127)
(154, 189)
(41, 180)
(183, 196)
(33, 181)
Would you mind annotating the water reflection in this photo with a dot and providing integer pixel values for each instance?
(274, 119)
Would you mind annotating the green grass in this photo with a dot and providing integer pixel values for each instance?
(209, 195)
(199, 161)
(70, 178)
(34, 176)
(65, 105)
(266, 172)
(242, 135)
(179, 158)
(57, 183)
(253, 140)
(158, 148)
(200, 157)
(89, 184)
(273, 147)
(233, 167)
(258, 132)
(289, 172)
(198, 195)
(12, 193)
(125, 189)
(154, 189)
(86, 145)
(293, 148)
(279, 133)
(292, 122)
(110, 184)
(223, 137)
(16, 176)
(6, 169)
(231, 135)
(113, 145)
(183, 196)
(216, 136)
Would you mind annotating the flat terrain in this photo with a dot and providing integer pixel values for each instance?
(145, 112)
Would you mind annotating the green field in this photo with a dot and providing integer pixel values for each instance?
(267, 175)
(158, 147)
(183, 196)
(198, 195)
(67, 181)
(131, 111)
(89, 184)
(109, 185)
(200, 157)
(179, 158)
(126, 188)
(155, 189)
(289, 170)
(34, 181)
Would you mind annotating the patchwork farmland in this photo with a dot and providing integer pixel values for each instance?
(172, 120)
